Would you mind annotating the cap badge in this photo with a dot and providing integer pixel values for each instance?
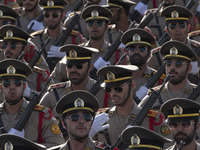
(73, 53)
(173, 51)
(94, 13)
(136, 38)
(50, 3)
(110, 76)
(9, 33)
(79, 103)
(8, 146)
(174, 14)
(177, 110)
(135, 140)
(11, 70)
(1, 13)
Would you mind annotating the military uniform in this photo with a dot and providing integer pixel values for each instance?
(12, 3)
(174, 148)
(195, 35)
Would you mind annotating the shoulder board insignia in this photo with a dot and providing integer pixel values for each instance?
(147, 76)
(152, 113)
(163, 76)
(15, 6)
(111, 112)
(186, 91)
(194, 33)
(38, 70)
(37, 32)
(74, 33)
(195, 44)
(153, 51)
(39, 107)
(58, 85)
(102, 110)
(99, 145)
(55, 129)
(156, 88)
(132, 116)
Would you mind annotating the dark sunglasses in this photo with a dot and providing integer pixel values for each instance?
(12, 45)
(186, 124)
(4, 22)
(117, 89)
(133, 48)
(181, 24)
(6, 83)
(55, 15)
(91, 22)
(78, 66)
(76, 117)
(178, 63)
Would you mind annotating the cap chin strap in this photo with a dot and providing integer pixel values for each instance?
(80, 139)
(129, 91)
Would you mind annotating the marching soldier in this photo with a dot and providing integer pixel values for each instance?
(78, 109)
(183, 118)
(41, 126)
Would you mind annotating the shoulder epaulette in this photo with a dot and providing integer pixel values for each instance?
(73, 13)
(57, 85)
(39, 107)
(103, 110)
(37, 32)
(74, 33)
(155, 50)
(99, 145)
(162, 77)
(194, 33)
(152, 113)
(38, 70)
(195, 43)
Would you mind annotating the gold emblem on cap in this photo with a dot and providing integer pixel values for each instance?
(135, 140)
(73, 53)
(9, 33)
(11, 70)
(177, 110)
(110, 76)
(94, 13)
(50, 3)
(8, 146)
(174, 14)
(79, 103)
(1, 13)
(136, 38)
(173, 51)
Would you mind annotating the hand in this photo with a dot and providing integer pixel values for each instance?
(55, 52)
(27, 91)
(36, 25)
(141, 8)
(101, 63)
(195, 68)
(16, 132)
(142, 92)
(98, 122)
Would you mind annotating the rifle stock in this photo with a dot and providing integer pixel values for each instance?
(35, 100)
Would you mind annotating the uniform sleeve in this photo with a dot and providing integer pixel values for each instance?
(49, 100)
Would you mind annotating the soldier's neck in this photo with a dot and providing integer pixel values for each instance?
(13, 109)
(76, 145)
(140, 73)
(190, 146)
(53, 33)
(96, 43)
(80, 86)
(178, 87)
(31, 13)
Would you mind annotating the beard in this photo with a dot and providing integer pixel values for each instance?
(13, 101)
(169, 4)
(138, 62)
(179, 79)
(80, 79)
(187, 138)
(96, 38)
(33, 8)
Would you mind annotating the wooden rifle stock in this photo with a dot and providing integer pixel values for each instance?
(29, 109)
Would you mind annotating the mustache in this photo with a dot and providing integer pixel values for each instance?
(136, 55)
(180, 133)
(80, 126)
(74, 72)
(172, 71)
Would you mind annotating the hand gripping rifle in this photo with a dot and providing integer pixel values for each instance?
(142, 114)
(35, 100)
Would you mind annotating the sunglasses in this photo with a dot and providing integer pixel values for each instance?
(12, 45)
(99, 22)
(78, 66)
(186, 124)
(4, 22)
(178, 63)
(133, 48)
(117, 89)
(55, 15)
(76, 117)
(6, 83)
(181, 24)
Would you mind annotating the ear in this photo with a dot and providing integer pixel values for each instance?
(190, 67)
(133, 84)
(91, 66)
(188, 28)
(25, 86)
(0, 87)
(64, 125)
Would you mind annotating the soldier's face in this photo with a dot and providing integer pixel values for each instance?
(13, 92)
(78, 128)
(30, 5)
(178, 73)
(12, 49)
(52, 18)
(96, 29)
(115, 12)
(77, 74)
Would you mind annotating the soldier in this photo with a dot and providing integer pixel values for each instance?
(78, 67)
(14, 142)
(176, 18)
(12, 3)
(143, 138)
(177, 58)
(41, 126)
(53, 12)
(78, 110)
(139, 43)
(119, 84)
(183, 118)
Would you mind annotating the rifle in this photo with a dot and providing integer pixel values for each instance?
(195, 93)
(35, 100)
(21, 55)
(52, 61)
(153, 80)
(142, 114)
(38, 54)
